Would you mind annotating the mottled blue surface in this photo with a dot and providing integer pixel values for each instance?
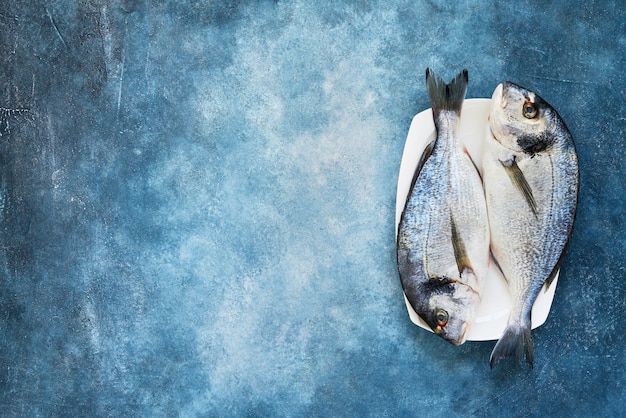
(197, 204)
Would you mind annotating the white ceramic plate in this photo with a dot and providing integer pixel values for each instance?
(494, 309)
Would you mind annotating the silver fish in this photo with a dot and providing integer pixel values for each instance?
(530, 175)
(443, 235)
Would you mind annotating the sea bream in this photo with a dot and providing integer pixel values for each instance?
(443, 235)
(530, 175)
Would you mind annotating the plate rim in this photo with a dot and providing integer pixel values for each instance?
(421, 130)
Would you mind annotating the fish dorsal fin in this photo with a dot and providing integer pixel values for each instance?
(497, 264)
(556, 268)
(425, 156)
(519, 180)
(550, 278)
(460, 253)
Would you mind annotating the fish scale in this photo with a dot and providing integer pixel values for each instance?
(530, 175)
(443, 235)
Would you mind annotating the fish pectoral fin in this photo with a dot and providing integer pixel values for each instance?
(467, 275)
(460, 253)
(521, 184)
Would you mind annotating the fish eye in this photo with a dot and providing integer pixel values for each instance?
(529, 110)
(441, 317)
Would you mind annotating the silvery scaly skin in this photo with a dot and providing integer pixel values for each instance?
(530, 175)
(443, 235)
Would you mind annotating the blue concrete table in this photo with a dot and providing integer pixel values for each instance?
(197, 207)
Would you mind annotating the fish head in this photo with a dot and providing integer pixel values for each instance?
(450, 309)
(521, 120)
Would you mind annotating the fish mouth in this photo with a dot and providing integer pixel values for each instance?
(463, 334)
(498, 102)
(497, 97)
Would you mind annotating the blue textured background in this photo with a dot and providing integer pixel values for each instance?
(197, 205)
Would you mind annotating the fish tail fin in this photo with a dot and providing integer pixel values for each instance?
(516, 341)
(446, 96)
